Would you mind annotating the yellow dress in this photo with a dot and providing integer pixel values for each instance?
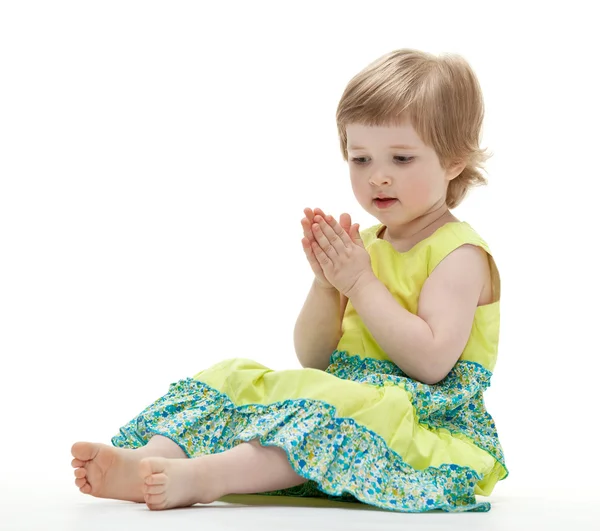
(361, 430)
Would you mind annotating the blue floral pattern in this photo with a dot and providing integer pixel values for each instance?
(455, 404)
(340, 458)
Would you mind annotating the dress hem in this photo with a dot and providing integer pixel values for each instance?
(320, 447)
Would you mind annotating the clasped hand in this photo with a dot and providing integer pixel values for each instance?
(344, 261)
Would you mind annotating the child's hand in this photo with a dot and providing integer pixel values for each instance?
(343, 259)
(309, 239)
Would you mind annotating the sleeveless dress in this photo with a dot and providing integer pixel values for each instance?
(362, 430)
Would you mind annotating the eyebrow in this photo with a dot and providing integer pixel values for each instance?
(399, 146)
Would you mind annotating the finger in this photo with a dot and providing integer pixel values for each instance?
(322, 258)
(323, 240)
(311, 257)
(307, 227)
(319, 212)
(345, 222)
(333, 235)
(310, 215)
(311, 218)
(307, 245)
(343, 236)
(356, 238)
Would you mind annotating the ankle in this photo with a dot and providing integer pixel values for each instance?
(160, 446)
(210, 482)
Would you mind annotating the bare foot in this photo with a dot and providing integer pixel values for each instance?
(107, 472)
(170, 483)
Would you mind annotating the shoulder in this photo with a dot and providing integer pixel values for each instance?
(449, 299)
(466, 251)
(463, 257)
(459, 273)
(451, 237)
(464, 267)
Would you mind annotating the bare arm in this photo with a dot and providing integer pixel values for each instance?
(427, 345)
(318, 327)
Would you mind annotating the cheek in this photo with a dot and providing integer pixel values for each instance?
(358, 182)
(417, 190)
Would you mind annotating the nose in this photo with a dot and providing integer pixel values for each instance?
(379, 177)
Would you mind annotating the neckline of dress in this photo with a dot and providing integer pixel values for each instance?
(420, 242)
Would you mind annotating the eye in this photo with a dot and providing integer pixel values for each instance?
(400, 159)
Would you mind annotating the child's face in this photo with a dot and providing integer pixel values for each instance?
(411, 174)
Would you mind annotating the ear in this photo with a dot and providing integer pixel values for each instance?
(455, 169)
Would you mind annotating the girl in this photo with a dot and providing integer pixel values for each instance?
(398, 335)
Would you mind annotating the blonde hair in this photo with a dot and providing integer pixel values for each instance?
(440, 95)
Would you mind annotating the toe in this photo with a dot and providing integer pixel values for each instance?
(84, 451)
(153, 507)
(155, 479)
(154, 489)
(80, 482)
(155, 501)
(80, 472)
(151, 465)
(76, 463)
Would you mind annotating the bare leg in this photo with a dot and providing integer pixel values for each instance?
(108, 472)
(247, 468)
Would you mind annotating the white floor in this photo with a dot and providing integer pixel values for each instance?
(39, 503)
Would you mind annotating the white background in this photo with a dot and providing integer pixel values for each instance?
(141, 147)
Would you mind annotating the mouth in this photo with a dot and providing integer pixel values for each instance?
(384, 202)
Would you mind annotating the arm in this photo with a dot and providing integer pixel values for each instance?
(318, 327)
(427, 345)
